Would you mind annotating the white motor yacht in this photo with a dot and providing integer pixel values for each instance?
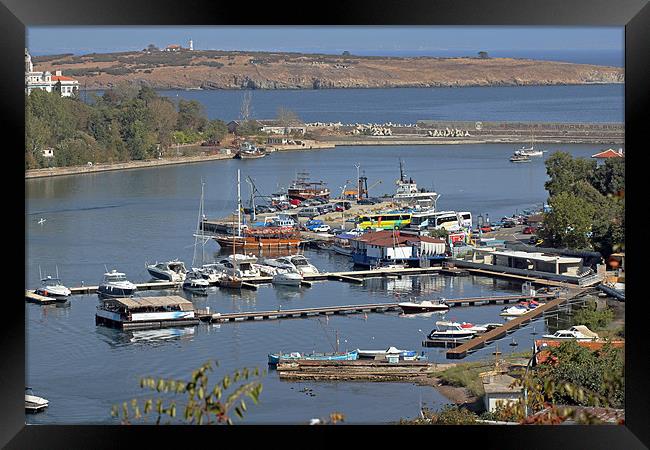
(211, 272)
(34, 403)
(297, 263)
(115, 284)
(576, 333)
(423, 306)
(52, 287)
(451, 330)
(194, 282)
(287, 278)
(169, 271)
(242, 266)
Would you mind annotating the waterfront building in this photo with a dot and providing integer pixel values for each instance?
(172, 48)
(499, 391)
(45, 81)
(387, 247)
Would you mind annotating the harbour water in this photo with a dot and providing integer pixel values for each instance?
(583, 103)
(122, 219)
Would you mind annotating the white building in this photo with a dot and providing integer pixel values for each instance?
(191, 45)
(45, 81)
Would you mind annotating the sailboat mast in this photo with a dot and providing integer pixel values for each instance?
(202, 230)
(238, 204)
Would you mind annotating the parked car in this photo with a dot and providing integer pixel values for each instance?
(508, 224)
(345, 204)
(321, 228)
(319, 200)
(308, 212)
(486, 228)
(529, 230)
(365, 201)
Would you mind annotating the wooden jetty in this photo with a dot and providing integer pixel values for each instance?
(33, 297)
(367, 370)
(480, 341)
(495, 300)
(295, 313)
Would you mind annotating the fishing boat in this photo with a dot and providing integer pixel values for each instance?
(52, 287)
(519, 158)
(406, 355)
(341, 244)
(169, 271)
(34, 403)
(407, 191)
(275, 358)
(451, 330)
(287, 278)
(115, 284)
(296, 263)
(578, 333)
(423, 306)
(195, 283)
(302, 189)
(249, 151)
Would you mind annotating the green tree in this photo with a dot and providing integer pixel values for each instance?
(609, 178)
(569, 223)
(203, 403)
(216, 130)
(563, 171)
(191, 116)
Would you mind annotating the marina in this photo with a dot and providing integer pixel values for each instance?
(155, 212)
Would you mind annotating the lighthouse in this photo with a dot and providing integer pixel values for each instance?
(191, 45)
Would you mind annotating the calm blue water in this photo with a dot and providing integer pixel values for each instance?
(585, 103)
(123, 219)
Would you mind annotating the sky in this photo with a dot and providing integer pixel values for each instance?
(366, 40)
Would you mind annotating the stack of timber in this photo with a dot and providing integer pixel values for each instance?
(371, 370)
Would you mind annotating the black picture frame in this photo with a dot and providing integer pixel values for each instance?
(634, 15)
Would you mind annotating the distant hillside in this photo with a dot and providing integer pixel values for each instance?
(257, 70)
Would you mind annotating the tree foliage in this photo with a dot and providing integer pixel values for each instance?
(204, 403)
(585, 193)
(125, 123)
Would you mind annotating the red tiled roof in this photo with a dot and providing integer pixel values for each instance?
(609, 153)
(388, 239)
(62, 78)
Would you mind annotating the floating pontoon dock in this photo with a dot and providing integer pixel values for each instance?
(480, 341)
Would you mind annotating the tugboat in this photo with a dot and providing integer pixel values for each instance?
(407, 191)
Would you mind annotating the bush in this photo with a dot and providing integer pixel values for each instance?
(592, 318)
(454, 415)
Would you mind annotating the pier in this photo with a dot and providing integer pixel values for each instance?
(205, 316)
(367, 370)
(473, 344)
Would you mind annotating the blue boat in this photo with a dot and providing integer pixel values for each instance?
(274, 358)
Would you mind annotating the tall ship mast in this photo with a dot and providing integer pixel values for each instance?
(302, 189)
(231, 234)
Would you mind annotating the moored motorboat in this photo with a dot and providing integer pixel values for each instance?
(195, 283)
(52, 287)
(519, 158)
(423, 306)
(296, 263)
(115, 284)
(406, 355)
(34, 403)
(231, 282)
(287, 278)
(169, 271)
(518, 309)
(451, 330)
(576, 333)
